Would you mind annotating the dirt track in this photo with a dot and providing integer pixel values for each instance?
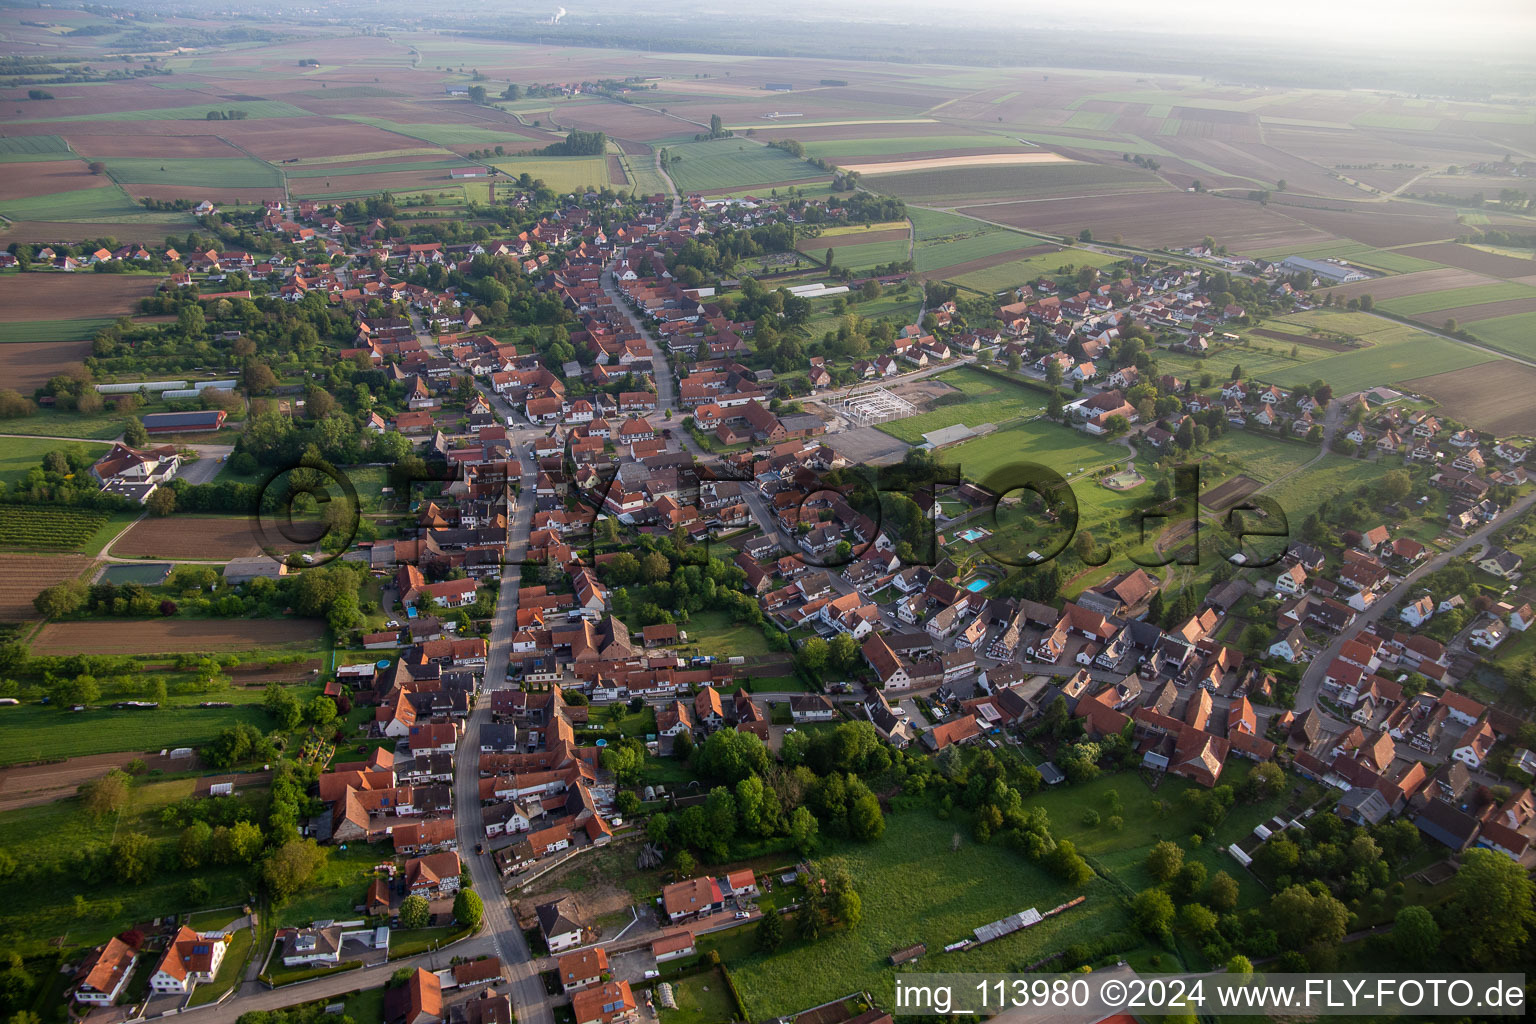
(29, 785)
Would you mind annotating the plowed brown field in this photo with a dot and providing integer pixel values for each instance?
(23, 577)
(197, 537)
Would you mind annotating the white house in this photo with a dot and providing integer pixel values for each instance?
(1418, 612)
(189, 960)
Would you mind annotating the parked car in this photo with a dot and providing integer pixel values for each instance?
(742, 915)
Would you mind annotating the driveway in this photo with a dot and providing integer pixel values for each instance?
(207, 465)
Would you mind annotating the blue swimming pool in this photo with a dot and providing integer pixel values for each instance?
(976, 585)
(970, 534)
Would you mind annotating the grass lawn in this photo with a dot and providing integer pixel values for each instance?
(409, 942)
(20, 455)
(104, 425)
(734, 163)
(902, 308)
(333, 892)
(33, 731)
(230, 971)
(701, 999)
(714, 633)
(1050, 444)
(1263, 458)
(914, 888)
(1335, 475)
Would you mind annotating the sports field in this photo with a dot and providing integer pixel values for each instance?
(1041, 441)
(987, 400)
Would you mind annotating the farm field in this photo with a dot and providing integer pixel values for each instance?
(956, 186)
(1381, 364)
(45, 528)
(448, 134)
(982, 243)
(85, 204)
(870, 254)
(959, 160)
(1497, 402)
(42, 332)
(173, 636)
(902, 145)
(22, 148)
(36, 299)
(1011, 274)
(1479, 261)
(561, 173)
(252, 108)
(1391, 261)
(725, 164)
(240, 172)
(842, 238)
(1516, 334)
(25, 576)
(1434, 301)
(1157, 220)
(914, 889)
(190, 537)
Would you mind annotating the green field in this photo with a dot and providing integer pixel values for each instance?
(104, 425)
(331, 171)
(1393, 262)
(33, 731)
(1387, 363)
(252, 108)
(701, 999)
(915, 888)
(715, 633)
(958, 185)
(910, 145)
(1264, 458)
(1049, 444)
(1401, 122)
(216, 172)
(936, 255)
(561, 173)
(1413, 305)
(1335, 475)
(992, 280)
(445, 134)
(85, 204)
(29, 148)
(889, 305)
(1515, 334)
(928, 225)
(988, 400)
(20, 455)
(734, 163)
(864, 256)
(33, 331)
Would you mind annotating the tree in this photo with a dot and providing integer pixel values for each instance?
(770, 932)
(1415, 936)
(803, 828)
(1085, 235)
(1222, 893)
(685, 864)
(1153, 912)
(282, 706)
(288, 867)
(133, 857)
(258, 377)
(1165, 860)
(61, 599)
(1239, 964)
(1197, 920)
(194, 844)
(415, 912)
(321, 711)
(239, 843)
(1303, 917)
(105, 795)
(1489, 915)
(96, 167)
(1395, 486)
(865, 822)
(134, 434)
(468, 908)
